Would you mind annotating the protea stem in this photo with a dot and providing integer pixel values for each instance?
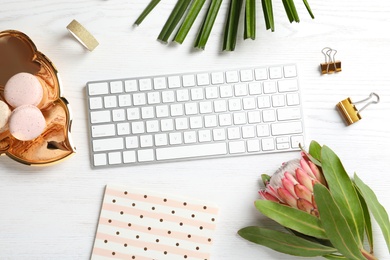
(368, 255)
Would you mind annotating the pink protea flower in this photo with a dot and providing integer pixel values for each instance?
(292, 184)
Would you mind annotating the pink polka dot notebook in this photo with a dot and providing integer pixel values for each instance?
(142, 225)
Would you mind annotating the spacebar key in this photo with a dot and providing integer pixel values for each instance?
(190, 151)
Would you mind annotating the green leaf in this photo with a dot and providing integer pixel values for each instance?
(173, 19)
(308, 8)
(265, 178)
(268, 14)
(343, 192)
(189, 20)
(377, 210)
(231, 26)
(250, 20)
(292, 218)
(284, 243)
(315, 151)
(367, 219)
(207, 24)
(291, 11)
(336, 226)
(146, 11)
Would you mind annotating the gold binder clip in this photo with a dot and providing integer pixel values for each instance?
(349, 111)
(330, 65)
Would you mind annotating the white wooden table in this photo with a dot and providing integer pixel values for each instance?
(52, 212)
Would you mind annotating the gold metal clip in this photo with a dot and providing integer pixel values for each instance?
(330, 65)
(350, 113)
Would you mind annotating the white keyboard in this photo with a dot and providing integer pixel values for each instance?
(195, 115)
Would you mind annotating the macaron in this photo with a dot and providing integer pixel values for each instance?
(5, 113)
(26, 123)
(23, 89)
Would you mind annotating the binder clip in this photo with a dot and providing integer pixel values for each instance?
(350, 113)
(330, 65)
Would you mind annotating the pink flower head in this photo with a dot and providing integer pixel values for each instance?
(292, 185)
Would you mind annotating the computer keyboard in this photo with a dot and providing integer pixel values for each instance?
(186, 116)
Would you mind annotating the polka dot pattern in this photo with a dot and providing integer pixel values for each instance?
(140, 225)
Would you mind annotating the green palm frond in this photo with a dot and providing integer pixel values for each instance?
(185, 13)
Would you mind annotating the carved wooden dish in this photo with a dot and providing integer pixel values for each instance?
(19, 54)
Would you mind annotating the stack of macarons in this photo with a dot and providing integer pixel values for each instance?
(19, 114)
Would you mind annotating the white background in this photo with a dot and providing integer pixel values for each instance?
(51, 212)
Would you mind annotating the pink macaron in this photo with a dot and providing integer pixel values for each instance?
(23, 89)
(5, 113)
(26, 123)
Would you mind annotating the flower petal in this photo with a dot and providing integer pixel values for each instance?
(306, 206)
(303, 192)
(317, 173)
(266, 196)
(304, 179)
(305, 166)
(287, 197)
(289, 185)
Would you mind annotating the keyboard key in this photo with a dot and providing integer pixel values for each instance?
(290, 71)
(110, 102)
(255, 88)
(99, 159)
(103, 130)
(226, 91)
(288, 113)
(174, 82)
(175, 138)
(103, 116)
(296, 141)
(133, 113)
(95, 103)
(118, 115)
(139, 99)
(267, 144)
(261, 74)
(237, 147)
(189, 151)
(269, 87)
(132, 142)
(124, 100)
(217, 78)
(203, 79)
(288, 85)
(100, 88)
(161, 139)
(286, 128)
(275, 73)
(153, 98)
(159, 83)
(145, 84)
(115, 158)
(123, 128)
(146, 141)
(246, 75)
(292, 99)
(131, 85)
(116, 87)
(232, 76)
(188, 80)
(253, 145)
(129, 157)
(162, 111)
(168, 96)
(101, 145)
(146, 155)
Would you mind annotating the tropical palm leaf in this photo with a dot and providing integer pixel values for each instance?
(190, 9)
